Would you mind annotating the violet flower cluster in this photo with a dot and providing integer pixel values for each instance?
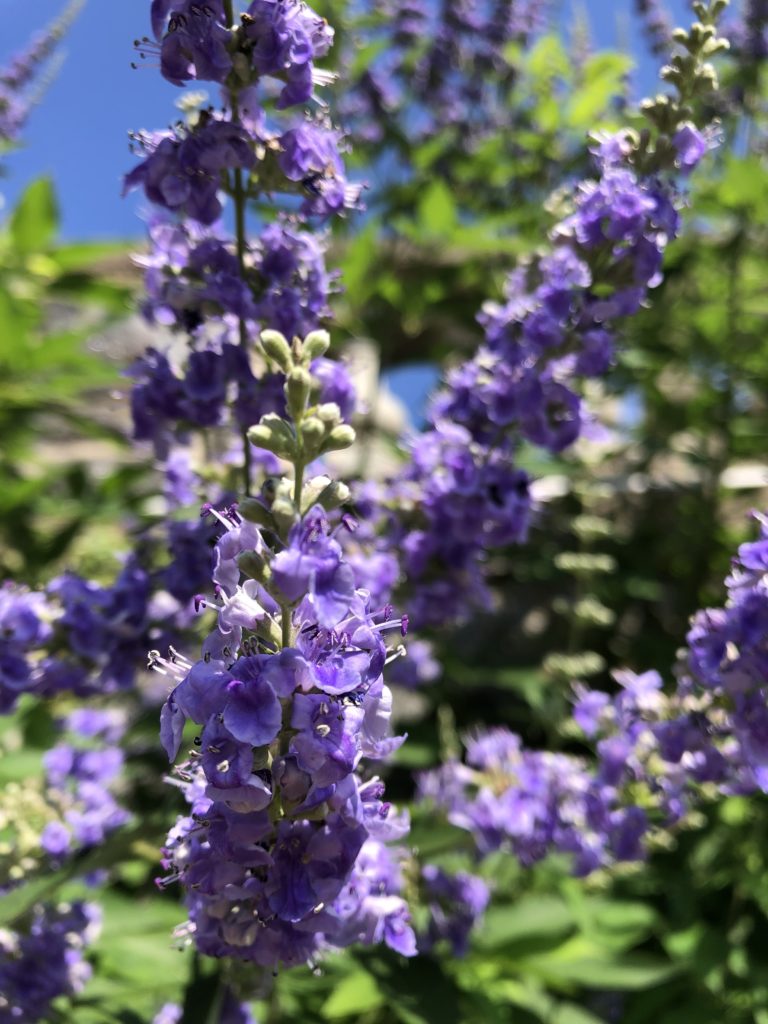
(462, 494)
(657, 26)
(749, 33)
(41, 631)
(44, 959)
(20, 79)
(45, 823)
(47, 820)
(82, 637)
(283, 854)
(455, 904)
(439, 66)
(81, 774)
(24, 627)
(657, 754)
(215, 286)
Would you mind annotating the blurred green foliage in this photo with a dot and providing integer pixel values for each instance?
(51, 302)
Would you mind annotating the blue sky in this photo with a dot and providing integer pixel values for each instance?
(79, 134)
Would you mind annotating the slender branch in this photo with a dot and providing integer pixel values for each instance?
(298, 483)
(285, 621)
(241, 241)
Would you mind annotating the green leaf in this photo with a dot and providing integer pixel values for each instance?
(357, 993)
(83, 255)
(18, 901)
(136, 945)
(744, 185)
(547, 60)
(437, 210)
(533, 917)
(35, 220)
(417, 991)
(356, 266)
(580, 962)
(571, 1013)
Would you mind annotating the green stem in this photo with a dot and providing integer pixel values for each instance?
(298, 483)
(241, 242)
(273, 1009)
(238, 195)
(285, 622)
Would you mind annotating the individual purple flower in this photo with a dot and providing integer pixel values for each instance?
(194, 40)
(456, 905)
(312, 565)
(284, 38)
(295, 282)
(202, 691)
(326, 744)
(588, 709)
(335, 385)
(252, 712)
(690, 145)
(55, 839)
(182, 172)
(310, 155)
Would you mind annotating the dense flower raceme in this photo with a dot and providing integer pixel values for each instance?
(656, 753)
(456, 904)
(18, 89)
(194, 284)
(461, 493)
(45, 821)
(81, 637)
(656, 23)
(282, 854)
(440, 66)
(24, 627)
(280, 39)
(219, 289)
(81, 773)
(43, 959)
(750, 31)
(277, 854)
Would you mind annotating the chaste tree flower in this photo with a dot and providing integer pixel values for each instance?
(45, 824)
(217, 288)
(656, 23)
(284, 852)
(19, 91)
(438, 68)
(461, 493)
(45, 960)
(657, 754)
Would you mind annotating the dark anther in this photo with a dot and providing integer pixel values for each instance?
(494, 493)
(310, 183)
